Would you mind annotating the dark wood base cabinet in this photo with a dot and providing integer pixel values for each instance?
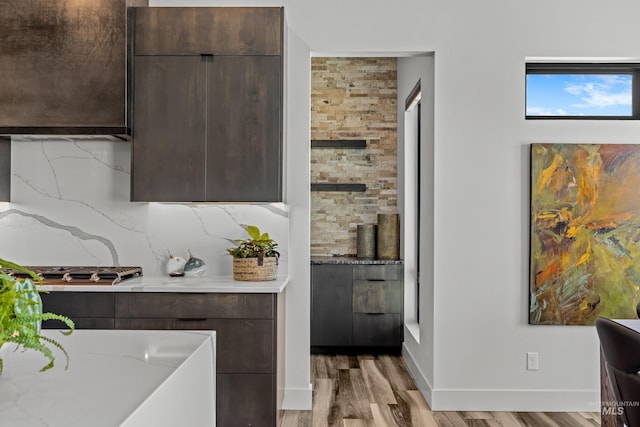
(356, 306)
(248, 383)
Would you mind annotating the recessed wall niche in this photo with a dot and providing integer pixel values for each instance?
(352, 99)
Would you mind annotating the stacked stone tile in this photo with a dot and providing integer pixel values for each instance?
(352, 98)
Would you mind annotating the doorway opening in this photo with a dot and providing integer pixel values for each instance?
(367, 117)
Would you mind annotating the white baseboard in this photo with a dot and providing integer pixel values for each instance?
(298, 399)
(501, 400)
(416, 373)
(516, 400)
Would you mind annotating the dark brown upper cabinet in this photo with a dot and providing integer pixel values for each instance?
(63, 66)
(201, 30)
(207, 104)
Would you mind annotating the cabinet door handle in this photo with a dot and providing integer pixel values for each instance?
(192, 319)
(374, 314)
(376, 280)
(207, 54)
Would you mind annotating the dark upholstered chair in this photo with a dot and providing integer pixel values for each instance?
(621, 348)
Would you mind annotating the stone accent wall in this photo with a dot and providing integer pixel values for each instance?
(352, 98)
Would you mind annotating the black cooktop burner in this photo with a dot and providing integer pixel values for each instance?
(80, 275)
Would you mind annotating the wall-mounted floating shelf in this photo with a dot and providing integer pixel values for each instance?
(360, 188)
(338, 143)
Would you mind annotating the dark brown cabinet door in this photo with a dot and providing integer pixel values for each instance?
(331, 315)
(244, 129)
(211, 133)
(245, 400)
(168, 156)
(201, 30)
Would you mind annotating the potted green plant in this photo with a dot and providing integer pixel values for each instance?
(255, 259)
(21, 315)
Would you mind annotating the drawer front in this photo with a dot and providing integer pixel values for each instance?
(79, 304)
(372, 296)
(81, 323)
(194, 305)
(377, 272)
(374, 330)
(243, 346)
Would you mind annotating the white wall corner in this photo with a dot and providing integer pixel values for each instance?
(297, 399)
(418, 376)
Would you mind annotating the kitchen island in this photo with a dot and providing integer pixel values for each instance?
(114, 378)
(248, 318)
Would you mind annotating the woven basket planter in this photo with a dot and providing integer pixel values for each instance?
(248, 269)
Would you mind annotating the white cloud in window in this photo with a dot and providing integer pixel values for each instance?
(541, 111)
(602, 91)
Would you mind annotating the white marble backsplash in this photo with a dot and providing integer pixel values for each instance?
(70, 206)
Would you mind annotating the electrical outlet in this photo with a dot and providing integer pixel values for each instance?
(532, 361)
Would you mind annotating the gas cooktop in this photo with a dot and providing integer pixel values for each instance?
(80, 275)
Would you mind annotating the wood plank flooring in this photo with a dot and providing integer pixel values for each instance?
(377, 391)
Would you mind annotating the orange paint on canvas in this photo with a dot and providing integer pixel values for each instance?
(585, 232)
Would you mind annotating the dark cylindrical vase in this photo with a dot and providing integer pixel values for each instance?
(388, 241)
(366, 241)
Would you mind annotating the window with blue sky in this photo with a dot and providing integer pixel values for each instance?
(579, 94)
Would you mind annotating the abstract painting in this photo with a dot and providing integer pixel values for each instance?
(585, 233)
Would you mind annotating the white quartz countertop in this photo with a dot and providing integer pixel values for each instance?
(222, 284)
(115, 378)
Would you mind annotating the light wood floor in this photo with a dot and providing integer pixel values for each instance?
(377, 391)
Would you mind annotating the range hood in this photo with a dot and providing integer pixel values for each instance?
(63, 66)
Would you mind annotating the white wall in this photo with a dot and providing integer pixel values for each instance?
(480, 287)
(298, 389)
(481, 174)
(418, 348)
